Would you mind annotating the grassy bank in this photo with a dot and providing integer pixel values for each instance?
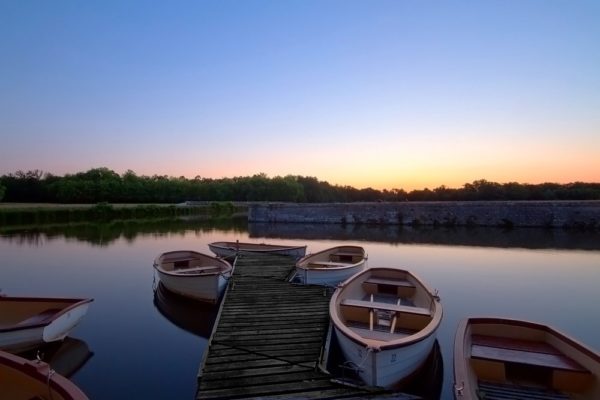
(39, 214)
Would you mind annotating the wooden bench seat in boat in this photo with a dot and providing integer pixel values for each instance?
(345, 256)
(40, 318)
(374, 305)
(196, 270)
(393, 286)
(522, 352)
(390, 281)
(497, 359)
(345, 253)
(318, 264)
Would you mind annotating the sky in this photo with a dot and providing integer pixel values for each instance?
(384, 94)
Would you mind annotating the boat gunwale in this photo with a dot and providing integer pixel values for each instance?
(75, 303)
(429, 330)
(63, 386)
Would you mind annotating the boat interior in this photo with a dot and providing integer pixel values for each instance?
(525, 367)
(386, 308)
(17, 314)
(190, 263)
(338, 258)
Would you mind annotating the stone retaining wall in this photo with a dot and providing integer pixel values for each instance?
(548, 214)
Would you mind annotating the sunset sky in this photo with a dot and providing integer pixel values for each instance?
(387, 94)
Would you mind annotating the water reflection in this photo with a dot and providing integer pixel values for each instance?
(104, 234)
(193, 316)
(65, 357)
(552, 282)
(530, 238)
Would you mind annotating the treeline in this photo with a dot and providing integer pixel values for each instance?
(104, 185)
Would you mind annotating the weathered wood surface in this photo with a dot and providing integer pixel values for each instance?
(521, 351)
(268, 338)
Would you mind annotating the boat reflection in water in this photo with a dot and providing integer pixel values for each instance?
(190, 315)
(65, 357)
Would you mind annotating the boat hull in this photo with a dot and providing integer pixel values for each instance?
(331, 266)
(60, 328)
(194, 275)
(22, 340)
(327, 277)
(386, 368)
(207, 288)
(26, 336)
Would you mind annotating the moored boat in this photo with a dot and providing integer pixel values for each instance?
(508, 358)
(28, 322)
(21, 379)
(192, 274)
(330, 266)
(385, 320)
(231, 249)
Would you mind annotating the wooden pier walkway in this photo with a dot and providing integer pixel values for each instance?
(268, 338)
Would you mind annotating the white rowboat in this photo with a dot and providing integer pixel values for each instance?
(231, 249)
(28, 322)
(331, 266)
(385, 320)
(192, 274)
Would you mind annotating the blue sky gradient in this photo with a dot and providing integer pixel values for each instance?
(388, 94)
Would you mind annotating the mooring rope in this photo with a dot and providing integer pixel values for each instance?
(38, 360)
(358, 367)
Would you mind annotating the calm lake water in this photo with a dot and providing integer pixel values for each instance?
(132, 345)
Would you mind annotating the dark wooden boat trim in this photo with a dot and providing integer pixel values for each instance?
(59, 383)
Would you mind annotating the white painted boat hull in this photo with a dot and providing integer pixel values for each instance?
(63, 325)
(202, 287)
(20, 340)
(385, 368)
(327, 277)
(331, 266)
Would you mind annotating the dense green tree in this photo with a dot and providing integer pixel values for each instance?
(104, 185)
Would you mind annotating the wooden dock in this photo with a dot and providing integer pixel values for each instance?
(268, 338)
